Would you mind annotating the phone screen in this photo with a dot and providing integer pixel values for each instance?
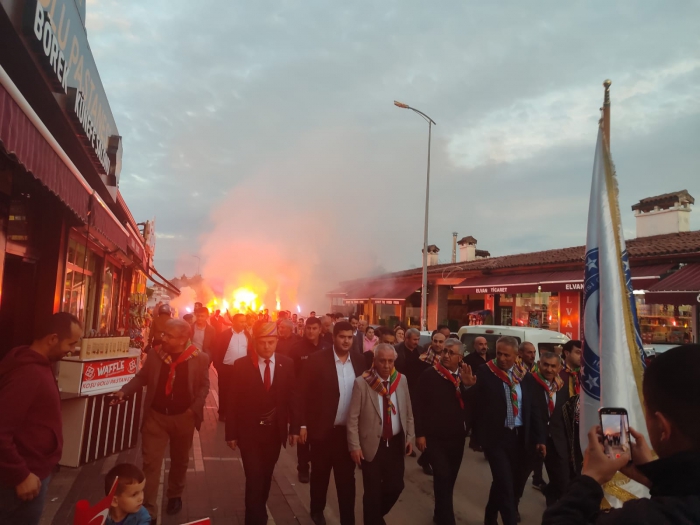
(616, 434)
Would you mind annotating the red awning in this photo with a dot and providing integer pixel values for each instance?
(681, 287)
(395, 292)
(103, 221)
(23, 141)
(643, 277)
(567, 281)
(498, 284)
(360, 293)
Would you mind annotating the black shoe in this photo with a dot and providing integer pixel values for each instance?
(539, 485)
(428, 469)
(318, 518)
(304, 477)
(174, 506)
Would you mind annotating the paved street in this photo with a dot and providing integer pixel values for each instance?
(215, 484)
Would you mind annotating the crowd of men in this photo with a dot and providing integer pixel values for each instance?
(346, 406)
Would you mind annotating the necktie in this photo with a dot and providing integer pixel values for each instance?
(387, 432)
(266, 380)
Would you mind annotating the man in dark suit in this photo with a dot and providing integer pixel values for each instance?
(308, 345)
(231, 344)
(551, 396)
(326, 390)
(441, 425)
(287, 338)
(477, 356)
(263, 399)
(203, 334)
(358, 335)
(503, 416)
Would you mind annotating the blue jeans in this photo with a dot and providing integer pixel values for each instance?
(14, 510)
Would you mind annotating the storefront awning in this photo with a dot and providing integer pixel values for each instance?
(165, 284)
(498, 284)
(572, 280)
(24, 136)
(681, 287)
(381, 292)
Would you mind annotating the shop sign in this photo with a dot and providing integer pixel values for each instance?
(56, 29)
(385, 301)
(492, 289)
(107, 375)
(570, 314)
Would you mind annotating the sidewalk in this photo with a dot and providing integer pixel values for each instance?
(215, 481)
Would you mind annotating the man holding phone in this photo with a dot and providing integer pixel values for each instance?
(672, 403)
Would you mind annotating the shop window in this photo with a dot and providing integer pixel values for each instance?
(109, 299)
(531, 309)
(664, 323)
(79, 290)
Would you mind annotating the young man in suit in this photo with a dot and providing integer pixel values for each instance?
(231, 344)
(380, 431)
(203, 334)
(176, 377)
(441, 425)
(326, 390)
(263, 399)
(551, 397)
(503, 417)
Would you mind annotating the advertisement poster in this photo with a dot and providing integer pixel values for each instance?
(107, 375)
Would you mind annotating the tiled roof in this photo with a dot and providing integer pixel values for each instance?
(667, 199)
(657, 245)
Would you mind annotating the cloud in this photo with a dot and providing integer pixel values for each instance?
(270, 126)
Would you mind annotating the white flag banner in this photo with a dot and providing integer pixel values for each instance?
(613, 363)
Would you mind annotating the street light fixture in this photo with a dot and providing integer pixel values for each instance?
(424, 285)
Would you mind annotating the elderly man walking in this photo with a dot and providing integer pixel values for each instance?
(441, 424)
(380, 432)
(176, 377)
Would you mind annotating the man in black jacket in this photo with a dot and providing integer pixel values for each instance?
(308, 345)
(231, 344)
(287, 338)
(477, 357)
(326, 390)
(504, 420)
(551, 397)
(263, 401)
(440, 425)
(672, 402)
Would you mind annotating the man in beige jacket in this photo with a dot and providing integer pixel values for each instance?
(380, 433)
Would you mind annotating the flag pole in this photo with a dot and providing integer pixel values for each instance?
(606, 113)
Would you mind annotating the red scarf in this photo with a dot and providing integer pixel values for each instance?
(551, 390)
(376, 383)
(444, 372)
(518, 373)
(190, 352)
(574, 379)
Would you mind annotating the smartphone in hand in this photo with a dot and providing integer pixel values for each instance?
(616, 432)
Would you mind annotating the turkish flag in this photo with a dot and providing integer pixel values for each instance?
(205, 521)
(97, 515)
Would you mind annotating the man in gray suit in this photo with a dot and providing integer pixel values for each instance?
(176, 375)
(380, 433)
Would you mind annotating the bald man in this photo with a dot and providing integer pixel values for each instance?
(477, 356)
(176, 377)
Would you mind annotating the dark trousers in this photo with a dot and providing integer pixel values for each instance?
(225, 377)
(332, 453)
(303, 457)
(17, 512)
(383, 480)
(558, 473)
(510, 467)
(259, 453)
(446, 456)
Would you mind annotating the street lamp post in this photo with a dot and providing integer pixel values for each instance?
(424, 285)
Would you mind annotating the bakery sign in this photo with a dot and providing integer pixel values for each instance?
(107, 375)
(57, 35)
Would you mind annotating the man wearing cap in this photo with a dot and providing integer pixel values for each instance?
(262, 400)
(164, 315)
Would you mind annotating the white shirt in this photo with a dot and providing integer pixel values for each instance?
(346, 381)
(237, 347)
(262, 365)
(198, 337)
(395, 419)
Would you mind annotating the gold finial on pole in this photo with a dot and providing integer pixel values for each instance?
(606, 112)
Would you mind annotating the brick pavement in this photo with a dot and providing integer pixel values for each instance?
(215, 482)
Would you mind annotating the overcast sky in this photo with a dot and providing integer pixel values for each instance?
(266, 130)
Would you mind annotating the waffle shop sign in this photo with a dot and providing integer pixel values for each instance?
(107, 375)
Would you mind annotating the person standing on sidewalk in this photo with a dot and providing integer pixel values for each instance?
(232, 343)
(263, 402)
(310, 344)
(380, 432)
(326, 390)
(441, 424)
(176, 377)
(31, 430)
(203, 334)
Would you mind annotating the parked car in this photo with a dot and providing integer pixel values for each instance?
(544, 340)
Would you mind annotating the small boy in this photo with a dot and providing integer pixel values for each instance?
(127, 505)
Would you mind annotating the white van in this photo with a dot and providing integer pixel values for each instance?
(544, 340)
